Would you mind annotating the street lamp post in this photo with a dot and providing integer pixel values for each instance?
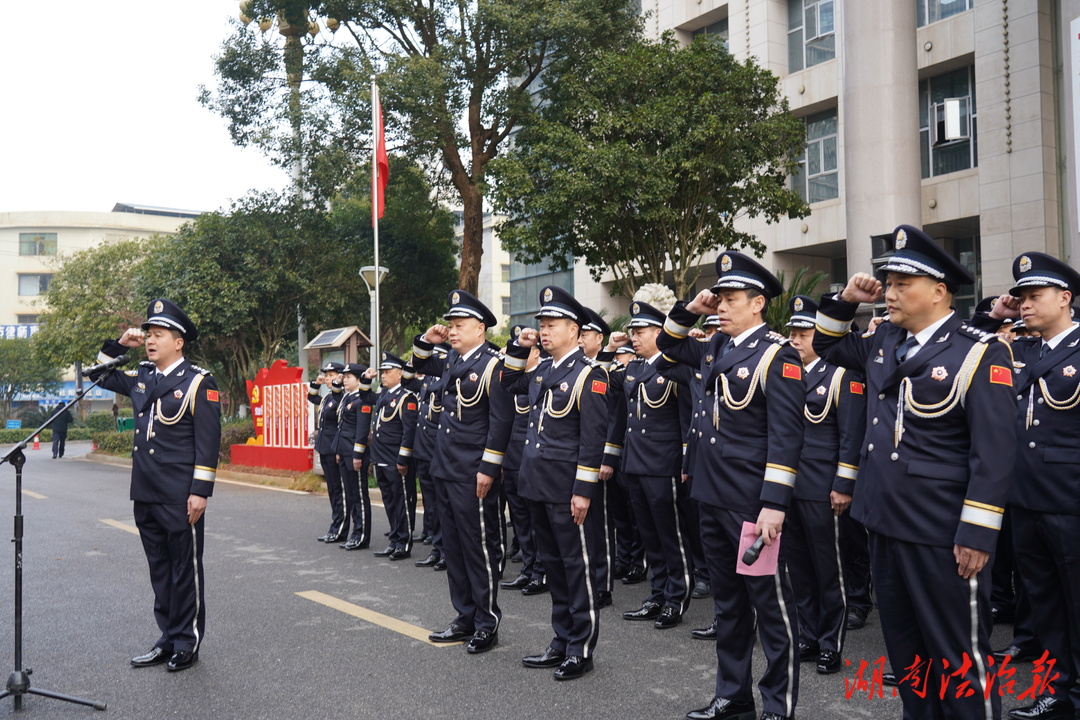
(372, 280)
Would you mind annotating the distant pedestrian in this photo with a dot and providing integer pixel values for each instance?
(60, 430)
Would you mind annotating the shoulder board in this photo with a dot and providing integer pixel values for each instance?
(590, 361)
(975, 333)
(146, 363)
(638, 360)
(131, 373)
(775, 337)
(492, 351)
(545, 359)
(201, 371)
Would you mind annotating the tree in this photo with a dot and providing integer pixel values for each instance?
(92, 298)
(457, 77)
(22, 370)
(803, 282)
(642, 160)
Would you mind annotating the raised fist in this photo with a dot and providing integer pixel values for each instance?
(705, 303)
(370, 373)
(617, 340)
(132, 338)
(528, 338)
(862, 288)
(1006, 306)
(437, 334)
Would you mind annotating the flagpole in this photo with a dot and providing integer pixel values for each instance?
(376, 109)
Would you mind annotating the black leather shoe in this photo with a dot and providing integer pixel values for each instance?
(808, 653)
(156, 656)
(182, 660)
(618, 571)
(773, 716)
(400, 554)
(428, 540)
(701, 590)
(573, 667)
(517, 583)
(453, 633)
(648, 611)
(708, 633)
(1017, 654)
(430, 561)
(535, 587)
(550, 658)
(603, 599)
(669, 618)
(724, 709)
(1046, 707)
(482, 641)
(856, 618)
(829, 662)
(439, 566)
(633, 576)
(324, 538)
(354, 544)
(384, 553)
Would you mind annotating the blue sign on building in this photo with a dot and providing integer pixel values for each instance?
(18, 332)
(67, 392)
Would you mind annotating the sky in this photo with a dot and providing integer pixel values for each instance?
(100, 105)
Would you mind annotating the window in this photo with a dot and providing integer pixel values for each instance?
(947, 123)
(811, 33)
(26, 319)
(37, 243)
(818, 178)
(719, 28)
(506, 272)
(30, 285)
(506, 305)
(929, 11)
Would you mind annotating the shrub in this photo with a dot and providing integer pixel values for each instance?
(100, 420)
(234, 432)
(115, 443)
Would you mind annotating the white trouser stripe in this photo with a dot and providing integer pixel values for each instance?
(610, 584)
(589, 590)
(684, 605)
(487, 563)
(843, 591)
(789, 701)
(973, 601)
(195, 564)
(405, 503)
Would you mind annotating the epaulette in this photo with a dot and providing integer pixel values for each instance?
(976, 334)
(545, 359)
(592, 362)
(146, 363)
(201, 371)
(775, 337)
(493, 351)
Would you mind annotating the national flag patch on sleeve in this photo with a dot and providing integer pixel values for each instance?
(410, 406)
(599, 386)
(366, 409)
(1000, 375)
(212, 395)
(856, 388)
(792, 372)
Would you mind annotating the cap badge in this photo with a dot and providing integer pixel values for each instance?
(517, 331)
(158, 306)
(901, 240)
(384, 357)
(939, 373)
(725, 263)
(1068, 371)
(821, 390)
(1025, 263)
(798, 304)
(547, 295)
(635, 309)
(455, 298)
(742, 373)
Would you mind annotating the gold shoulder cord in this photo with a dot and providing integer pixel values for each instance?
(189, 401)
(643, 395)
(957, 394)
(572, 401)
(519, 409)
(758, 377)
(1051, 401)
(833, 396)
(481, 388)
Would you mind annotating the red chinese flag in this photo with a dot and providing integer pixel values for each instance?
(212, 395)
(366, 409)
(792, 372)
(856, 388)
(599, 386)
(411, 406)
(1000, 375)
(380, 165)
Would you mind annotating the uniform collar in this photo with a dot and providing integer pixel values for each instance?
(466, 355)
(736, 341)
(810, 366)
(168, 370)
(1056, 340)
(924, 335)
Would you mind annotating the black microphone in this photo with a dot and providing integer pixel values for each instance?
(754, 551)
(111, 364)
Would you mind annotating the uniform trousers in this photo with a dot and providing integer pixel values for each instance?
(58, 440)
(566, 549)
(410, 498)
(472, 546)
(335, 489)
(1048, 555)
(738, 598)
(812, 547)
(603, 555)
(531, 567)
(357, 500)
(931, 613)
(657, 502)
(432, 521)
(692, 536)
(393, 486)
(173, 550)
(856, 559)
(1008, 592)
(629, 551)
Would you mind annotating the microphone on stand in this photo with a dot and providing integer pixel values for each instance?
(110, 365)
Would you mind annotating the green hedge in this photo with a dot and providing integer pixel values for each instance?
(101, 420)
(234, 432)
(10, 437)
(115, 443)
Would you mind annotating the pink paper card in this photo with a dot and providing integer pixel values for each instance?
(767, 560)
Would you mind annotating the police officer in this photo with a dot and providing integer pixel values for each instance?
(560, 473)
(744, 473)
(352, 414)
(174, 465)
(324, 445)
(935, 469)
(1045, 496)
(429, 397)
(392, 421)
(629, 564)
(711, 326)
(473, 433)
(652, 435)
(834, 424)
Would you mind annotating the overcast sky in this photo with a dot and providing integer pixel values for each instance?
(100, 106)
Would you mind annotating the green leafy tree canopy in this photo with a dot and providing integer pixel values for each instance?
(641, 160)
(23, 370)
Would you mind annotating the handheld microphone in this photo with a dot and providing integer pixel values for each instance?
(754, 551)
(101, 367)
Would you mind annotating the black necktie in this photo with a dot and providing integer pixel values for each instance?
(727, 348)
(1044, 350)
(904, 348)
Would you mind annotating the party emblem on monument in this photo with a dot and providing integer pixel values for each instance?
(725, 263)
